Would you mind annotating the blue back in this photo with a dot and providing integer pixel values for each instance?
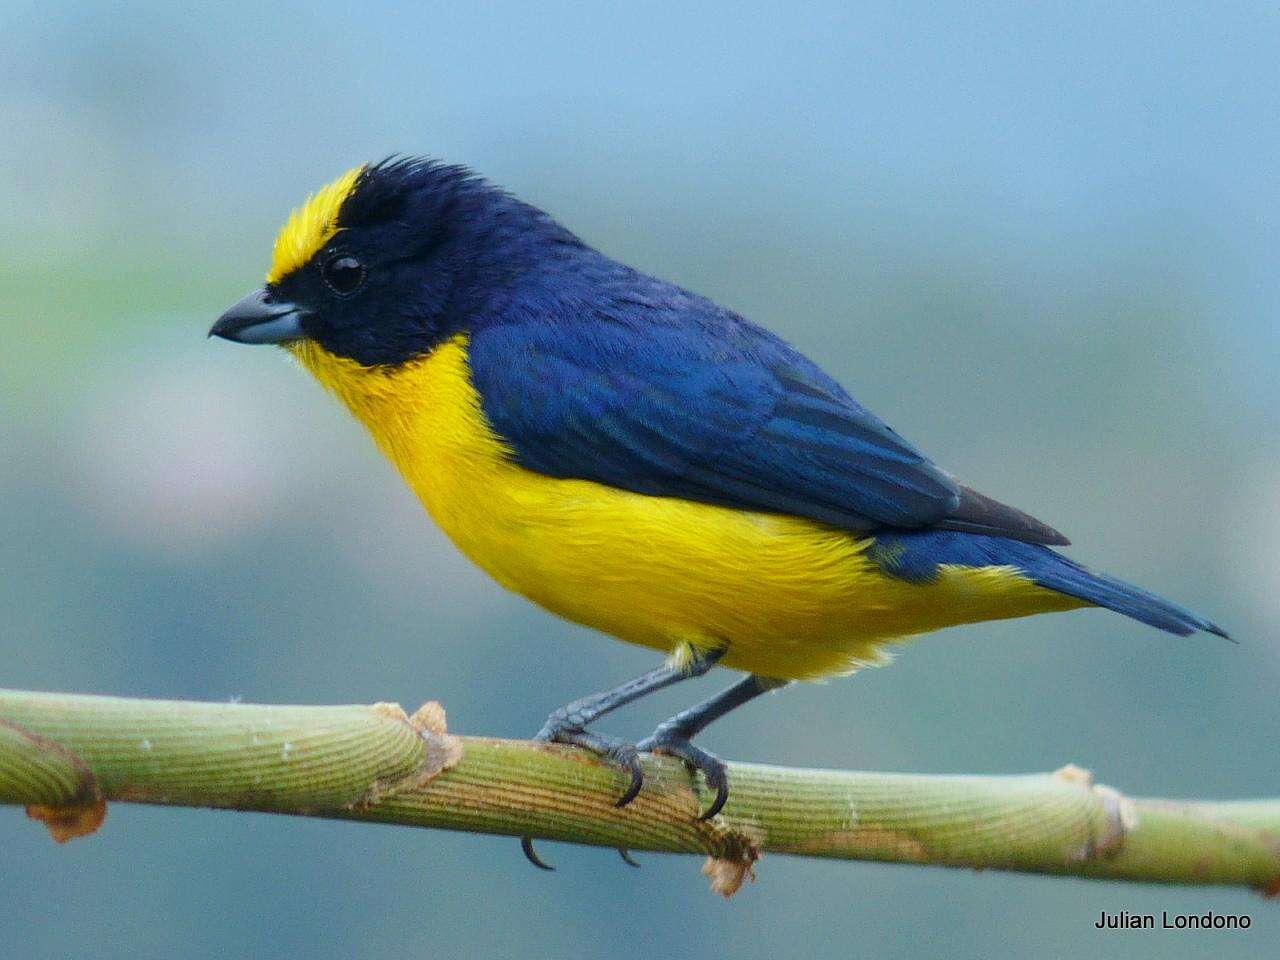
(594, 371)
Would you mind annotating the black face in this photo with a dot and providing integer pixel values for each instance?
(422, 250)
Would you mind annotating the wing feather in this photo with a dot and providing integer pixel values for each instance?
(671, 395)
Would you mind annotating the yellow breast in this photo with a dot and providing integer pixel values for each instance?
(789, 597)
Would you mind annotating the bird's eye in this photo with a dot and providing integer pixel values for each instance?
(343, 274)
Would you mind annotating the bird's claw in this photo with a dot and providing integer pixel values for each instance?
(626, 755)
(526, 845)
(713, 769)
(613, 749)
(620, 752)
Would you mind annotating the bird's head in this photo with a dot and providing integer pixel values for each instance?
(389, 260)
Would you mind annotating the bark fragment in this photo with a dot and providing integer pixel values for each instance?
(70, 820)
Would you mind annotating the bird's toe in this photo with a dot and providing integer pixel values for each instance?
(621, 753)
(713, 769)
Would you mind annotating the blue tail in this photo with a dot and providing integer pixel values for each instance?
(916, 555)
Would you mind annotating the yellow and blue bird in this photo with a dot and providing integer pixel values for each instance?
(635, 458)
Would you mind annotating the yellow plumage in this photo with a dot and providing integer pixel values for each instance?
(310, 226)
(789, 597)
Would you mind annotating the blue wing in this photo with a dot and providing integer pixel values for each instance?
(657, 391)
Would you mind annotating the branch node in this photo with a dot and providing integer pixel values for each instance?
(390, 710)
(441, 750)
(1117, 809)
(1074, 774)
(430, 718)
(82, 809)
(1122, 817)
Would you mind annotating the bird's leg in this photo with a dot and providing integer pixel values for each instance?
(568, 725)
(674, 736)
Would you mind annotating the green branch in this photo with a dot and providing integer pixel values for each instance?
(65, 756)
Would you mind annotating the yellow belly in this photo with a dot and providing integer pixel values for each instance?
(787, 597)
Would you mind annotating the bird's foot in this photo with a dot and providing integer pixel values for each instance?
(561, 728)
(620, 752)
(673, 742)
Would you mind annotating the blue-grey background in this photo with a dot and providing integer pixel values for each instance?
(1039, 239)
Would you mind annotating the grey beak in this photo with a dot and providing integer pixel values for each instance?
(258, 319)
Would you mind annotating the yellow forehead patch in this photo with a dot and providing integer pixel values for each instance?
(310, 226)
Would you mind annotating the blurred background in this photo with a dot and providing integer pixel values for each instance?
(1041, 242)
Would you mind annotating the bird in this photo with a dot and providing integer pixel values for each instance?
(633, 457)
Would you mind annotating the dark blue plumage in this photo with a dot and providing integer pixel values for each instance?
(636, 383)
(658, 391)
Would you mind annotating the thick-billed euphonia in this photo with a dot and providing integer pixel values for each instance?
(633, 457)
